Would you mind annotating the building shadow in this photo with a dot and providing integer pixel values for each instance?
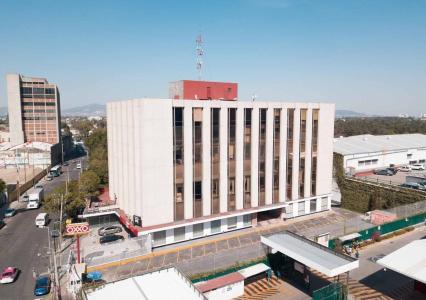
(387, 282)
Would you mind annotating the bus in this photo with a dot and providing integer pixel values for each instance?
(55, 171)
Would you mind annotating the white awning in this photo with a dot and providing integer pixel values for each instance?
(310, 253)
(254, 270)
(409, 260)
(349, 237)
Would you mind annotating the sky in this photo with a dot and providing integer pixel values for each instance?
(366, 56)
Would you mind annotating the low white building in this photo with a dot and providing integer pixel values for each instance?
(366, 152)
(158, 285)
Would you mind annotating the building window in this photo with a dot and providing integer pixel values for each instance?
(232, 120)
(179, 234)
(198, 230)
(262, 155)
(215, 159)
(247, 157)
(301, 208)
(178, 160)
(289, 163)
(197, 151)
(215, 226)
(159, 238)
(324, 203)
(303, 117)
(232, 223)
(315, 118)
(276, 155)
(313, 205)
(247, 220)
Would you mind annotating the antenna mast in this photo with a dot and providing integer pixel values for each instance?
(199, 52)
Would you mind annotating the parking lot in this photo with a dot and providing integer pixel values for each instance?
(396, 179)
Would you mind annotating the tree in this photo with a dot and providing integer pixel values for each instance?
(98, 153)
(73, 203)
(2, 186)
(89, 183)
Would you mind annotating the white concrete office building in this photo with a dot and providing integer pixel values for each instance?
(192, 168)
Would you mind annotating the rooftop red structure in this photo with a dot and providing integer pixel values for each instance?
(203, 90)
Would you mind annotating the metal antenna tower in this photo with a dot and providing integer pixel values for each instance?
(199, 52)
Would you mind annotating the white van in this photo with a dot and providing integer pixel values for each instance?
(41, 219)
(33, 204)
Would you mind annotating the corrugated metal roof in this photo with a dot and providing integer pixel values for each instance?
(378, 143)
(409, 260)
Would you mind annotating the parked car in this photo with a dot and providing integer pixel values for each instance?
(49, 177)
(384, 172)
(109, 230)
(405, 168)
(413, 185)
(78, 166)
(110, 238)
(10, 212)
(42, 286)
(417, 167)
(393, 170)
(9, 275)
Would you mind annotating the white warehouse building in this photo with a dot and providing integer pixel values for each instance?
(366, 152)
(193, 168)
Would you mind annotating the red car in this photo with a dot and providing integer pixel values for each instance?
(9, 275)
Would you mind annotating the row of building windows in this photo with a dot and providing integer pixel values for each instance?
(39, 110)
(37, 91)
(38, 103)
(38, 118)
(368, 162)
(197, 151)
(199, 230)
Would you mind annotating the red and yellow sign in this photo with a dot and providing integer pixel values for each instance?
(77, 228)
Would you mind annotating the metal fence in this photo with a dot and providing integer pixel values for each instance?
(333, 291)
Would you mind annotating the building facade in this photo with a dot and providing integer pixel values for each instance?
(193, 168)
(34, 110)
(363, 153)
(203, 90)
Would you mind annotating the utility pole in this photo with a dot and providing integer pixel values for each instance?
(60, 223)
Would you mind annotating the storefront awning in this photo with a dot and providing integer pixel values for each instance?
(310, 253)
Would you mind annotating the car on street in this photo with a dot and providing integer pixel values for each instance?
(384, 172)
(42, 286)
(413, 185)
(9, 275)
(9, 212)
(78, 166)
(393, 170)
(49, 177)
(109, 230)
(110, 238)
(405, 168)
(418, 167)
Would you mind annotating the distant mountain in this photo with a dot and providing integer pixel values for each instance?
(341, 113)
(85, 110)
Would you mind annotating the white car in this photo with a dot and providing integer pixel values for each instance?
(405, 169)
(417, 167)
(78, 166)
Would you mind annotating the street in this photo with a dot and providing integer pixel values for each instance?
(25, 246)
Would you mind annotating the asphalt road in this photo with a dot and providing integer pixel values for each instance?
(25, 246)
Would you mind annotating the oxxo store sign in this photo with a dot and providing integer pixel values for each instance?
(77, 229)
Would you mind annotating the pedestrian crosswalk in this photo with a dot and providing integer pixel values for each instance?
(260, 289)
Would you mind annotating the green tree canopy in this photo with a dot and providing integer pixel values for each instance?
(89, 183)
